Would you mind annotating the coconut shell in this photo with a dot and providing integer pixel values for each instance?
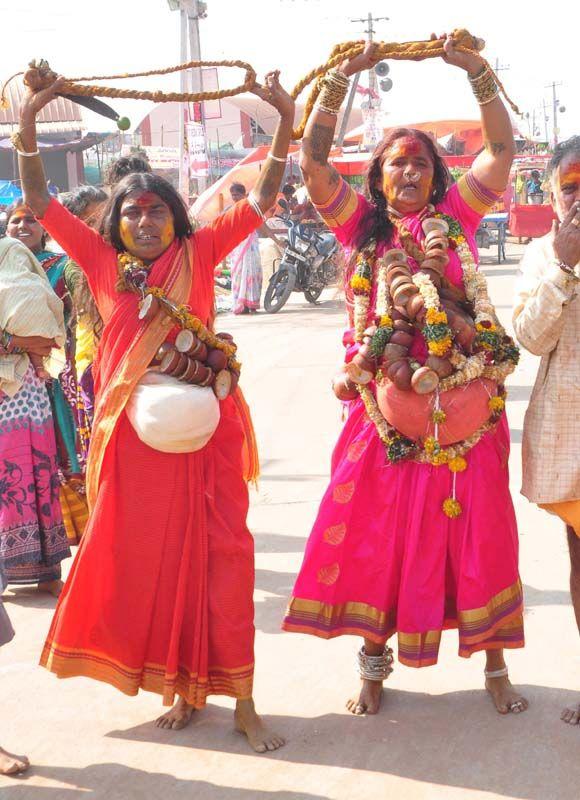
(191, 372)
(403, 325)
(403, 338)
(442, 366)
(393, 352)
(191, 345)
(424, 380)
(149, 307)
(170, 362)
(357, 374)
(165, 348)
(393, 256)
(400, 373)
(435, 224)
(343, 389)
(223, 384)
(217, 360)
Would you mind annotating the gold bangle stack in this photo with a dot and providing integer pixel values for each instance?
(334, 88)
(484, 86)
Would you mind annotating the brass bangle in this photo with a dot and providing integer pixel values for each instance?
(18, 145)
(484, 86)
(334, 88)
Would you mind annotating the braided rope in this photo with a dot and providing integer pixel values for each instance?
(75, 85)
(409, 51)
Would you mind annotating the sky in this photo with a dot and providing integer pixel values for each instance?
(534, 43)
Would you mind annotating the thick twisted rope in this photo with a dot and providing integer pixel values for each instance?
(404, 51)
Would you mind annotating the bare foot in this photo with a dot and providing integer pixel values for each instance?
(368, 700)
(260, 737)
(11, 764)
(176, 719)
(52, 587)
(505, 697)
(571, 715)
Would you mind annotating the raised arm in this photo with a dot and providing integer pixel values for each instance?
(320, 178)
(492, 166)
(266, 189)
(42, 86)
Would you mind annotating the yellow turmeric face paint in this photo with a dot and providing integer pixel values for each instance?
(570, 175)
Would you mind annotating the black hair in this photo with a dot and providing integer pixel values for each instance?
(78, 200)
(238, 187)
(377, 224)
(143, 182)
(288, 189)
(563, 149)
(21, 204)
(123, 166)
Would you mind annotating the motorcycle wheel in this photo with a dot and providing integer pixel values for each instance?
(279, 290)
(313, 293)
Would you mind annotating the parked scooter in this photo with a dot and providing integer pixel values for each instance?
(308, 265)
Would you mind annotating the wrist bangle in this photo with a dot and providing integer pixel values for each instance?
(277, 158)
(484, 86)
(18, 145)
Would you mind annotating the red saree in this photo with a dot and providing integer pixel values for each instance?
(160, 594)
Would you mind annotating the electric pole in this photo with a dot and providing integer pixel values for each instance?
(555, 102)
(369, 19)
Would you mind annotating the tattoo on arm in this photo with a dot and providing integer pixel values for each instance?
(495, 148)
(319, 142)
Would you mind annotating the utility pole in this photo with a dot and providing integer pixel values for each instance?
(555, 102)
(190, 12)
(545, 120)
(369, 19)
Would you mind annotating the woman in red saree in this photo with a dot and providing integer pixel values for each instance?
(160, 594)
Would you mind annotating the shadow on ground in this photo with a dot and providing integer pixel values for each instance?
(453, 739)
(118, 782)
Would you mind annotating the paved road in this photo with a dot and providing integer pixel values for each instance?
(437, 736)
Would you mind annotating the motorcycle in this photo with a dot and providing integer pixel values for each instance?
(308, 265)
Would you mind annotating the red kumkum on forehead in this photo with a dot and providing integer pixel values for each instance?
(406, 146)
(146, 199)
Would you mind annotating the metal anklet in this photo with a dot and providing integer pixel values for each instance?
(375, 668)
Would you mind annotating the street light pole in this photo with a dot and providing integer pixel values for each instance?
(190, 12)
(369, 19)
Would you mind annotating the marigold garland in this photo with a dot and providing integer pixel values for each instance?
(496, 359)
(133, 274)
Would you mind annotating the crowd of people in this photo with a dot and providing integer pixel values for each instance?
(99, 397)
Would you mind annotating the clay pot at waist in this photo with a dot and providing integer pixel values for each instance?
(466, 408)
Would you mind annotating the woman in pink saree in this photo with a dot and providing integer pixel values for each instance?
(414, 536)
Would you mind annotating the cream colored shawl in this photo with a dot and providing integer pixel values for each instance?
(28, 307)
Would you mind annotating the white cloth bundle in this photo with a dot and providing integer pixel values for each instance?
(28, 307)
(172, 416)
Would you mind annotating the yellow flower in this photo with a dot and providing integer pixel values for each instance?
(438, 416)
(439, 348)
(385, 321)
(496, 404)
(434, 316)
(457, 464)
(451, 507)
(490, 327)
(431, 445)
(439, 459)
(358, 282)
